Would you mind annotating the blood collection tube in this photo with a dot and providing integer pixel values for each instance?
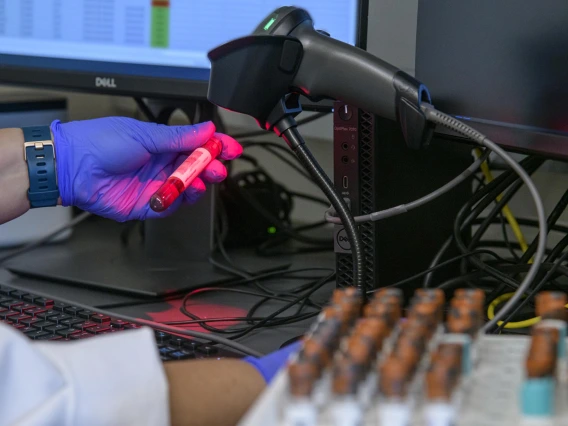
(303, 376)
(180, 180)
(394, 377)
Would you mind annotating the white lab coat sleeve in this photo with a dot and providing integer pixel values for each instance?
(113, 379)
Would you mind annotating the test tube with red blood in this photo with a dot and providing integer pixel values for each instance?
(180, 180)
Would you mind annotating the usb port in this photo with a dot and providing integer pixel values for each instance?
(345, 182)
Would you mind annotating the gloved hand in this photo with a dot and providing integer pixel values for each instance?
(112, 166)
(270, 364)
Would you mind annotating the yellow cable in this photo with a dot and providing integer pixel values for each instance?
(506, 210)
(524, 247)
(519, 324)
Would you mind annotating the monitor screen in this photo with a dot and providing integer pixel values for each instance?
(501, 67)
(117, 44)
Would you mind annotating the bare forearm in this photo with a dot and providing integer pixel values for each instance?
(211, 393)
(14, 179)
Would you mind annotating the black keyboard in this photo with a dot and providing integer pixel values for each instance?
(40, 318)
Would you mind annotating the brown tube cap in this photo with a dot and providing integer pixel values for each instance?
(464, 319)
(551, 305)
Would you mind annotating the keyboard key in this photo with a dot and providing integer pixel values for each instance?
(68, 333)
(18, 326)
(50, 337)
(18, 318)
(42, 301)
(111, 330)
(73, 322)
(43, 324)
(85, 314)
(81, 335)
(165, 358)
(191, 345)
(29, 297)
(18, 294)
(36, 334)
(35, 311)
(100, 318)
(177, 341)
(72, 310)
(60, 317)
(7, 314)
(11, 303)
(26, 329)
(4, 291)
(98, 330)
(162, 337)
(118, 323)
(23, 307)
(131, 326)
(182, 354)
(85, 325)
(29, 322)
(166, 350)
(3, 309)
(47, 314)
(55, 328)
(59, 306)
(207, 350)
(4, 299)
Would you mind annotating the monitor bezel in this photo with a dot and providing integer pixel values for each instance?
(139, 86)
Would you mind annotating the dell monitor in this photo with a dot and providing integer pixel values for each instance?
(146, 48)
(501, 66)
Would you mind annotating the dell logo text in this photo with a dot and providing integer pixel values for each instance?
(105, 82)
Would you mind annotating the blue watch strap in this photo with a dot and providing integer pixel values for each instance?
(40, 156)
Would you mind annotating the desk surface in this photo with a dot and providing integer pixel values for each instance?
(209, 305)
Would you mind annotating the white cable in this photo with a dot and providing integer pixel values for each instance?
(405, 208)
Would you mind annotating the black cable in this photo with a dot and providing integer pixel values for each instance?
(296, 142)
(478, 262)
(41, 241)
(495, 211)
(535, 290)
(442, 265)
(465, 217)
(207, 320)
(487, 191)
(256, 133)
(316, 287)
(552, 219)
(558, 249)
(266, 320)
(506, 237)
(502, 244)
(510, 269)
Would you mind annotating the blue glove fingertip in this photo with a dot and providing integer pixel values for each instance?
(268, 366)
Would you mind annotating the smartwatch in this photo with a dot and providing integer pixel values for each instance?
(39, 153)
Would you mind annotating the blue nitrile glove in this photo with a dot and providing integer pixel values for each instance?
(112, 166)
(270, 364)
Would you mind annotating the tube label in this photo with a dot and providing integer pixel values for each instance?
(193, 166)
